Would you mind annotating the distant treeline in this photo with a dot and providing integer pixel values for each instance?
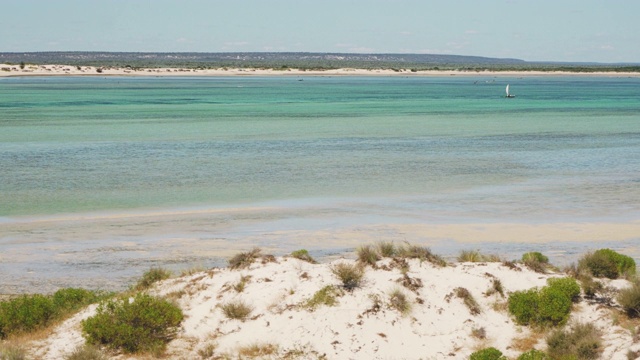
(304, 61)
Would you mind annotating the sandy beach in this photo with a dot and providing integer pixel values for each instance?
(7, 70)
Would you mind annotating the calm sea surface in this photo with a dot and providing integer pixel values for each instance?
(438, 150)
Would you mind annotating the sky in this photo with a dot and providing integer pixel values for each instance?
(534, 30)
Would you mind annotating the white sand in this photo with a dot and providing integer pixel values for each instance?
(439, 325)
(68, 70)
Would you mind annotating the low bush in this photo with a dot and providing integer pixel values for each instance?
(607, 263)
(569, 286)
(31, 312)
(523, 306)
(629, 299)
(25, 313)
(351, 275)
(534, 354)
(581, 341)
(487, 354)
(549, 306)
(72, 299)
(303, 255)
(141, 324)
(237, 310)
(151, 277)
(554, 306)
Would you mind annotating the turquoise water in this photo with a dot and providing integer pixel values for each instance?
(75, 145)
(101, 178)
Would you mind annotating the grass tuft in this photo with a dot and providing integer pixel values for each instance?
(86, 352)
(367, 255)
(398, 301)
(244, 259)
(476, 256)
(420, 252)
(351, 275)
(237, 310)
(468, 300)
(386, 248)
(12, 352)
(629, 299)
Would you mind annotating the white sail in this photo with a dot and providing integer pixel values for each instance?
(507, 90)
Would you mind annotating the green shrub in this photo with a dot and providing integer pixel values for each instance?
(523, 305)
(303, 255)
(144, 323)
(367, 255)
(350, 275)
(487, 354)
(325, 296)
(629, 299)
(237, 310)
(569, 286)
(607, 263)
(554, 306)
(71, 299)
(25, 313)
(624, 264)
(534, 354)
(151, 277)
(542, 307)
(582, 341)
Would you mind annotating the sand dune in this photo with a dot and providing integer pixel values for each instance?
(363, 324)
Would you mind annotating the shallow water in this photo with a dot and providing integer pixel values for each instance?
(104, 177)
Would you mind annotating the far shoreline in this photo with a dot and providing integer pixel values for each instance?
(7, 70)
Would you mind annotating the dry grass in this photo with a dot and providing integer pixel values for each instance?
(479, 333)
(528, 342)
(208, 351)
(244, 259)
(257, 350)
(422, 253)
(12, 352)
(87, 352)
(468, 300)
(496, 288)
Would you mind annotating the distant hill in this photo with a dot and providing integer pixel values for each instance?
(310, 61)
(268, 59)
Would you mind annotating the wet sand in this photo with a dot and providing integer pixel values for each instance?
(108, 251)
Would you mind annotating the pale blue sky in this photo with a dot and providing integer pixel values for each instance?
(553, 30)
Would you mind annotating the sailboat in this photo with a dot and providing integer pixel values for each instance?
(508, 94)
